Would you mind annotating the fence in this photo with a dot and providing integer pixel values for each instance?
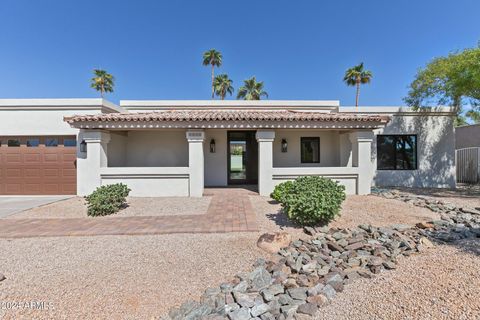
(468, 165)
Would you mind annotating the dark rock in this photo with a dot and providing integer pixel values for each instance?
(260, 278)
(244, 299)
(308, 308)
(240, 314)
(298, 293)
(260, 309)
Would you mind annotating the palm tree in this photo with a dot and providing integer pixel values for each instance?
(223, 85)
(102, 81)
(214, 58)
(355, 77)
(251, 90)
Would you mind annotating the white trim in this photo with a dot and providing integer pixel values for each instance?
(59, 104)
(326, 105)
(403, 110)
(144, 172)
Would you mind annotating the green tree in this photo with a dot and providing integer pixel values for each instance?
(453, 80)
(223, 85)
(213, 58)
(102, 81)
(356, 76)
(251, 90)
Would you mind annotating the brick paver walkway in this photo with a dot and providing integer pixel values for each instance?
(230, 210)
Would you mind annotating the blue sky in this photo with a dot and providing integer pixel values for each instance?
(300, 49)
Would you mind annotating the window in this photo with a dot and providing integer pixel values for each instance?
(310, 149)
(13, 143)
(69, 142)
(51, 142)
(33, 142)
(397, 152)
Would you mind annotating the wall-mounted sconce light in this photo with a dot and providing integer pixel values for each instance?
(83, 146)
(212, 146)
(284, 145)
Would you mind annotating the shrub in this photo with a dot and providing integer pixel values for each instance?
(107, 199)
(310, 200)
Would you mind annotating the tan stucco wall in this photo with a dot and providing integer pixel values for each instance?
(329, 148)
(162, 148)
(436, 152)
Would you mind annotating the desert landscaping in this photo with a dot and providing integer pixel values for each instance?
(131, 277)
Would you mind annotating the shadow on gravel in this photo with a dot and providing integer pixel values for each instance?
(469, 245)
(462, 191)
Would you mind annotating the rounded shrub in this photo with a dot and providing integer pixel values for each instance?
(107, 199)
(310, 200)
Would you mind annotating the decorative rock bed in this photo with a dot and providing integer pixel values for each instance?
(307, 274)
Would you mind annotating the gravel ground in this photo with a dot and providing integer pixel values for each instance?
(356, 210)
(76, 208)
(139, 277)
(118, 277)
(464, 195)
(442, 283)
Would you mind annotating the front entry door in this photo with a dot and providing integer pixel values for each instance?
(242, 157)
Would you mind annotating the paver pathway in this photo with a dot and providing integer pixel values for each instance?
(230, 210)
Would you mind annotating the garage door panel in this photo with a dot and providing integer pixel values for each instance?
(13, 158)
(32, 158)
(50, 157)
(13, 188)
(33, 188)
(38, 170)
(13, 173)
(32, 173)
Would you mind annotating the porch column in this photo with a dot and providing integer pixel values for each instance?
(265, 161)
(195, 161)
(90, 162)
(362, 158)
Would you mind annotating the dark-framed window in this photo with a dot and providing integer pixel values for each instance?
(397, 152)
(33, 142)
(13, 143)
(310, 149)
(67, 142)
(51, 142)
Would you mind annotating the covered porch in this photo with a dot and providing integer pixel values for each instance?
(157, 155)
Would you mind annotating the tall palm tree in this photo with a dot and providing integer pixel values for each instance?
(214, 58)
(356, 76)
(223, 85)
(102, 81)
(251, 90)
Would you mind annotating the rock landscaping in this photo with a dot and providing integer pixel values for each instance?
(307, 274)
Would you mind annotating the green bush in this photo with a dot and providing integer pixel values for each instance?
(107, 199)
(310, 200)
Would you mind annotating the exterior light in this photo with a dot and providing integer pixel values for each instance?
(83, 146)
(284, 145)
(212, 146)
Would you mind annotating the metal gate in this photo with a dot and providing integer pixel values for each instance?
(468, 165)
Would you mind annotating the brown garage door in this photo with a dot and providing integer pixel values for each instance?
(38, 165)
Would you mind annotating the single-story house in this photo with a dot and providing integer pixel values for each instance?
(176, 148)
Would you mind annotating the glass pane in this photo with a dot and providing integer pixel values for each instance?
(69, 142)
(33, 142)
(51, 142)
(237, 160)
(406, 152)
(386, 153)
(310, 150)
(13, 143)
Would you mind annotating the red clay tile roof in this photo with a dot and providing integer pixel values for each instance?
(227, 115)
